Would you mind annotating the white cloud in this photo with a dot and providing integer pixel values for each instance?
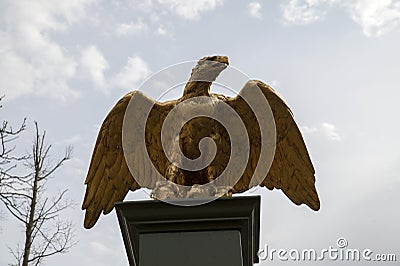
(162, 31)
(254, 9)
(94, 64)
(32, 60)
(135, 71)
(156, 14)
(275, 83)
(142, 5)
(70, 140)
(330, 131)
(190, 9)
(17, 75)
(375, 17)
(131, 28)
(307, 129)
(304, 11)
(99, 248)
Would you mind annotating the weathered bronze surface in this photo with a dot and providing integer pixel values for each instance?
(109, 178)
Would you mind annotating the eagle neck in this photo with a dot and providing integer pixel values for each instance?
(197, 88)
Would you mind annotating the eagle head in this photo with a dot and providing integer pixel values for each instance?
(208, 68)
(203, 74)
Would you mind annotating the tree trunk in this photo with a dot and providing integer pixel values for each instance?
(30, 225)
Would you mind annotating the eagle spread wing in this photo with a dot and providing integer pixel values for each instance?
(291, 169)
(109, 178)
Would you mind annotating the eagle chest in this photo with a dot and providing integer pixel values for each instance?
(196, 129)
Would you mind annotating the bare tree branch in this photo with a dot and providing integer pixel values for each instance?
(26, 199)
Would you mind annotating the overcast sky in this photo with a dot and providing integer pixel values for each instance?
(336, 63)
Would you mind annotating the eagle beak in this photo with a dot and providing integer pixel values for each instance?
(218, 58)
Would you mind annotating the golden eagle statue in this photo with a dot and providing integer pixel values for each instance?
(110, 176)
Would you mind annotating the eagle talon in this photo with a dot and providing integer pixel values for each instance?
(198, 191)
(165, 190)
(210, 191)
